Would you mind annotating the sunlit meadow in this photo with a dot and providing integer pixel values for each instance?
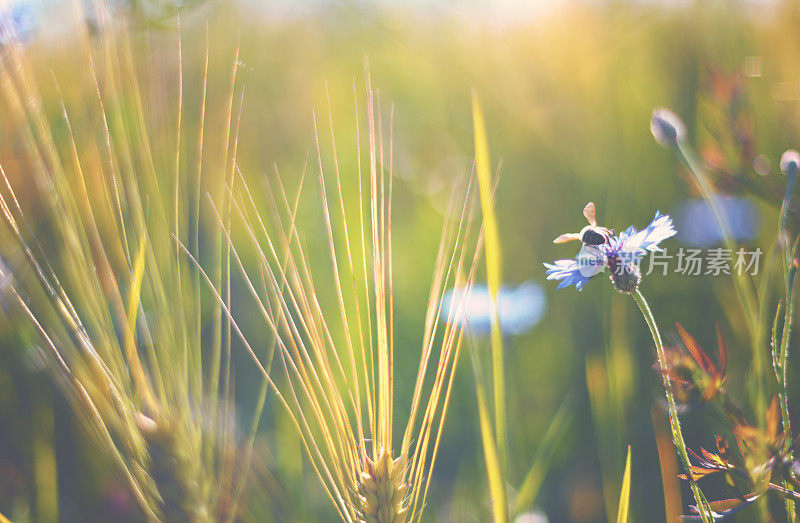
(296, 262)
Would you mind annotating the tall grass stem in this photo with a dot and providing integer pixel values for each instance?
(674, 421)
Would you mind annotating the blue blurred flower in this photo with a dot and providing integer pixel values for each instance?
(518, 308)
(17, 21)
(621, 254)
(699, 227)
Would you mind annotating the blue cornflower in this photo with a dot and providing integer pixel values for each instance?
(621, 254)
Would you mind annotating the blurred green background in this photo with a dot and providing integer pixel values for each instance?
(567, 91)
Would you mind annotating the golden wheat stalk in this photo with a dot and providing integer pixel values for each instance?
(338, 359)
(119, 309)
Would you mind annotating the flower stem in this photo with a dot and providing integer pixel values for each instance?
(790, 181)
(783, 380)
(674, 422)
(744, 289)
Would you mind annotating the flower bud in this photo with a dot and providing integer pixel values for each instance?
(667, 128)
(790, 162)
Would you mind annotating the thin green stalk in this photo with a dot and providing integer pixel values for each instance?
(674, 421)
(497, 486)
(789, 272)
(744, 290)
(493, 274)
(248, 450)
(529, 489)
(783, 394)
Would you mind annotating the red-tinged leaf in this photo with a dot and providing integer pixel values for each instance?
(697, 353)
(739, 437)
(723, 351)
(726, 505)
(706, 454)
(773, 418)
(746, 437)
(674, 376)
(699, 473)
(713, 458)
(746, 433)
(722, 444)
(712, 388)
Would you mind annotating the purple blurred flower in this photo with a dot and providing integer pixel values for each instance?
(699, 228)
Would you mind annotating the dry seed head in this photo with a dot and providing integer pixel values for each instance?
(384, 489)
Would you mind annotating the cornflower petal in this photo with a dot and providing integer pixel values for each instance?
(568, 272)
(589, 262)
(659, 230)
(637, 244)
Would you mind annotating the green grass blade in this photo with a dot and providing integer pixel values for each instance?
(529, 489)
(248, 448)
(775, 342)
(493, 273)
(132, 308)
(625, 492)
(497, 485)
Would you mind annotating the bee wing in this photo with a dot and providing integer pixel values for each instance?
(590, 213)
(571, 237)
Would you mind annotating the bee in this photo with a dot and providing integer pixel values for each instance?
(592, 234)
